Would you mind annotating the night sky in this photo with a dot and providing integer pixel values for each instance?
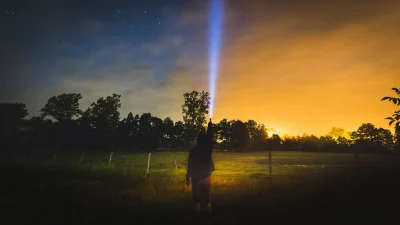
(297, 66)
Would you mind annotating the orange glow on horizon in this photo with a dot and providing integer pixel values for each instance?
(311, 81)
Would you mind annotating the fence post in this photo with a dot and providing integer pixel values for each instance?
(176, 166)
(148, 165)
(356, 156)
(109, 161)
(81, 160)
(270, 163)
(54, 157)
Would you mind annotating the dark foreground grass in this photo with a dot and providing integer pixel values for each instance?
(58, 194)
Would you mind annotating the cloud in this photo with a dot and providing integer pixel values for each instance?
(165, 44)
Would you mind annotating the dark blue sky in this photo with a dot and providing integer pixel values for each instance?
(48, 44)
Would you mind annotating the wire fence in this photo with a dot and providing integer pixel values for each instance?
(252, 164)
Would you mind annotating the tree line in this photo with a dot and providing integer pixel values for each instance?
(63, 125)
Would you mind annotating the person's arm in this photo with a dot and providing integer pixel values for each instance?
(210, 137)
(209, 128)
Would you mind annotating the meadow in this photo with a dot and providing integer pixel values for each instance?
(305, 188)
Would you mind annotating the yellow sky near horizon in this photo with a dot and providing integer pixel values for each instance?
(308, 71)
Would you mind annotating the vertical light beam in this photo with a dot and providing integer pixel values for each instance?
(214, 40)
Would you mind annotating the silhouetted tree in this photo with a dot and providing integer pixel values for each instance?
(291, 144)
(328, 142)
(194, 110)
(168, 128)
(309, 143)
(103, 117)
(11, 115)
(239, 136)
(385, 139)
(127, 131)
(37, 131)
(343, 141)
(395, 118)
(103, 114)
(223, 131)
(272, 143)
(144, 134)
(260, 136)
(157, 132)
(367, 138)
(336, 132)
(252, 127)
(178, 132)
(63, 107)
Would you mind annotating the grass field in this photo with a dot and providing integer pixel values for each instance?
(305, 188)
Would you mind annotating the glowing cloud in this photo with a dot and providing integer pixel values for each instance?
(215, 36)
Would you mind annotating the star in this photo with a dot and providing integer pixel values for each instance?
(118, 11)
(145, 11)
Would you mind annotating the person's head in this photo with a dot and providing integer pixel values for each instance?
(202, 139)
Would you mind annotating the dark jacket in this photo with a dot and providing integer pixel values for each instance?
(200, 163)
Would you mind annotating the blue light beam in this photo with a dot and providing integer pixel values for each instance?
(214, 48)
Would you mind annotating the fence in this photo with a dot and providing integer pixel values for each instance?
(253, 164)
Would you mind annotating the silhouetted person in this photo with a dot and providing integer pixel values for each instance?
(199, 169)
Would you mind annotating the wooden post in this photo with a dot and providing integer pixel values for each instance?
(109, 161)
(148, 165)
(54, 157)
(356, 156)
(81, 160)
(176, 166)
(270, 163)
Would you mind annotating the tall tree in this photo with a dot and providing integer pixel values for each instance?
(127, 131)
(366, 131)
(385, 139)
(261, 133)
(103, 114)
(239, 136)
(178, 135)
(223, 133)
(11, 115)
(194, 110)
(157, 133)
(63, 107)
(252, 127)
(145, 131)
(168, 128)
(365, 137)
